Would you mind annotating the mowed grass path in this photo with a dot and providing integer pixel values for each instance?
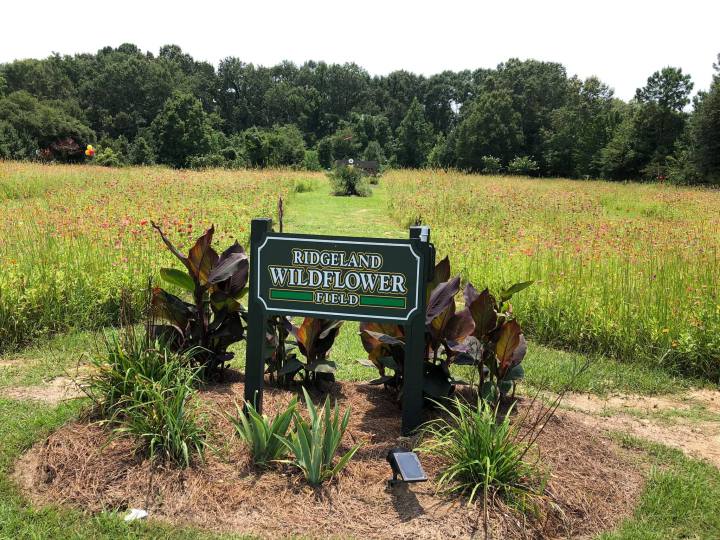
(317, 212)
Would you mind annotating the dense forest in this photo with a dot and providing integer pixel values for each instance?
(525, 117)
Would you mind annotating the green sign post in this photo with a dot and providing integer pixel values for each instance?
(336, 277)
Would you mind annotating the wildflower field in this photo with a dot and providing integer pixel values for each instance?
(625, 270)
(630, 271)
(73, 238)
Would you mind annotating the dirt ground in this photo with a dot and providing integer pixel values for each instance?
(52, 392)
(591, 483)
(690, 422)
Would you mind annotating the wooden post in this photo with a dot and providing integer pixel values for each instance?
(254, 361)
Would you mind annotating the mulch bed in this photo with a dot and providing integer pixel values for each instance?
(591, 483)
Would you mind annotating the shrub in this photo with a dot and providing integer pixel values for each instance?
(207, 161)
(129, 359)
(263, 438)
(304, 185)
(315, 443)
(524, 165)
(348, 181)
(108, 158)
(311, 162)
(490, 165)
(482, 454)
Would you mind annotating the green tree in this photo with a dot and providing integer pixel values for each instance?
(668, 88)
(374, 152)
(141, 152)
(704, 131)
(37, 125)
(414, 138)
(442, 155)
(181, 130)
(286, 146)
(490, 127)
(580, 129)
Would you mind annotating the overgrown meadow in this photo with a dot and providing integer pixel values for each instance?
(73, 239)
(626, 270)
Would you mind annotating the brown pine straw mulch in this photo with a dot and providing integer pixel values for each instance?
(592, 484)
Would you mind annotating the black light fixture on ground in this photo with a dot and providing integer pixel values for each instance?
(405, 466)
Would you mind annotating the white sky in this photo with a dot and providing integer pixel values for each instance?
(622, 42)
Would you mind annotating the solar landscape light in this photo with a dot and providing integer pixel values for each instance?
(405, 466)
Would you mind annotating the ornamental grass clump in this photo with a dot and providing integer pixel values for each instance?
(163, 419)
(143, 390)
(315, 443)
(484, 455)
(120, 372)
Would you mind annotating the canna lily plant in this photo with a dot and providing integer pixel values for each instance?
(446, 330)
(313, 338)
(214, 319)
(501, 343)
(482, 334)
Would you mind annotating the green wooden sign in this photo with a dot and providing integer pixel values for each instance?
(334, 277)
(330, 277)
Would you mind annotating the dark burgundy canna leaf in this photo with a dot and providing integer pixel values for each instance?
(171, 308)
(482, 308)
(441, 274)
(441, 297)
(510, 340)
(226, 267)
(460, 326)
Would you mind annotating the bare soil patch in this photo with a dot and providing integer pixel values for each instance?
(591, 483)
(52, 392)
(698, 438)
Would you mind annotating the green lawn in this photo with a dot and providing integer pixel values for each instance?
(681, 500)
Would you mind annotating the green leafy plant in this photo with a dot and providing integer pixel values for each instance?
(142, 389)
(214, 320)
(120, 373)
(446, 331)
(483, 334)
(161, 416)
(313, 338)
(483, 454)
(263, 438)
(523, 165)
(501, 343)
(314, 443)
(490, 165)
(348, 180)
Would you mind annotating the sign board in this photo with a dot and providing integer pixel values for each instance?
(335, 277)
(338, 278)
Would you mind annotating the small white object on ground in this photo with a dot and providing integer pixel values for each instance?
(136, 513)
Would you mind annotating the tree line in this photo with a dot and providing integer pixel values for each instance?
(526, 117)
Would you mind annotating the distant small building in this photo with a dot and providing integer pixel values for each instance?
(371, 168)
